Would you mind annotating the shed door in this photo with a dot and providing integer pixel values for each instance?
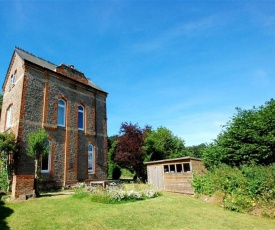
(155, 176)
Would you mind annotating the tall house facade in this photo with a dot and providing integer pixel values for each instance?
(71, 108)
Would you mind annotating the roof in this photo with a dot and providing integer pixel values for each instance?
(45, 64)
(36, 60)
(173, 159)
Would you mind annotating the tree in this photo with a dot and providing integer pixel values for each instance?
(8, 147)
(129, 152)
(37, 148)
(162, 144)
(195, 150)
(248, 138)
(114, 170)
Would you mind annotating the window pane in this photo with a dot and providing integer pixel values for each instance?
(179, 168)
(80, 120)
(80, 108)
(166, 169)
(61, 117)
(186, 167)
(90, 148)
(45, 163)
(90, 162)
(61, 102)
(172, 168)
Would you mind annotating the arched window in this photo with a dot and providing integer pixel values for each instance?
(91, 159)
(80, 117)
(45, 161)
(61, 120)
(9, 117)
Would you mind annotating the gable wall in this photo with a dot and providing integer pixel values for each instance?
(12, 95)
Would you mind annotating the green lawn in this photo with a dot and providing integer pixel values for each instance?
(170, 211)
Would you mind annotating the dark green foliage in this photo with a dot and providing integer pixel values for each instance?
(162, 144)
(8, 147)
(37, 144)
(196, 150)
(116, 173)
(248, 138)
(243, 188)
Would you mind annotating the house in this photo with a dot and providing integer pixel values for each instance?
(174, 175)
(70, 107)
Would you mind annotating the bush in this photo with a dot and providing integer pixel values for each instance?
(243, 189)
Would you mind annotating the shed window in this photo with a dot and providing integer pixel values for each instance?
(165, 168)
(179, 168)
(186, 167)
(61, 113)
(172, 169)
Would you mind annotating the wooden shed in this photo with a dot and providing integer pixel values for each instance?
(174, 175)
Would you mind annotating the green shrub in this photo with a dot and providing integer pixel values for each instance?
(244, 188)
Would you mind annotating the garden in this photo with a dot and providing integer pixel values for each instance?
(62, 210)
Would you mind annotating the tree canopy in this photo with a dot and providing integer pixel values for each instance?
(248, 138)
(129, 149)
(162, 144)
(37, 147)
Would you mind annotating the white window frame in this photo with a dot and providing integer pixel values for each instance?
(92, 153)
(9, 117)
(83, 117)
(64, 114)
(49, 159)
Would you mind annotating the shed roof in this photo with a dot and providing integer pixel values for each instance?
(173, 159)
(24, 55)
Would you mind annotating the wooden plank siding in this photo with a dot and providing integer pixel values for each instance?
(178, 182)
(174, 175)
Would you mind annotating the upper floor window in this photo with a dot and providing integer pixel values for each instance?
(45, 161)
(80, 117)
(91, 159)
(13, 78)
(61, 120)
(9, 117)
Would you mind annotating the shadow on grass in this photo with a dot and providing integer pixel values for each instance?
(55, 194)
(4, 213)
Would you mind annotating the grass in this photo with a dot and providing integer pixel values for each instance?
(169, 211)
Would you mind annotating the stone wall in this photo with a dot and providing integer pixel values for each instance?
(35, 103)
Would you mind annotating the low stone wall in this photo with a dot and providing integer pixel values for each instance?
(22, 185)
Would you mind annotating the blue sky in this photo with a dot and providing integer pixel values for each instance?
(184, 65)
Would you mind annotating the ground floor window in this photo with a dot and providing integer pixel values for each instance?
(91, 159)
(45, 161)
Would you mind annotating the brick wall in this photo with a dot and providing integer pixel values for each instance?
(22, 185)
